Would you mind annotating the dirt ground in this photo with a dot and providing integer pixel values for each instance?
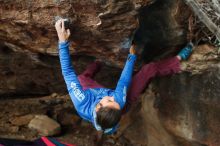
(59, 108)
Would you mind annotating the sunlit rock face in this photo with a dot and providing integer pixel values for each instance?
(99, 28)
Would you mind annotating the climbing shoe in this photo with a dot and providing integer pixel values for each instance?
(186, 51)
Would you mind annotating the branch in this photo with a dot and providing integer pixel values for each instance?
(216, 5)
(203, 17)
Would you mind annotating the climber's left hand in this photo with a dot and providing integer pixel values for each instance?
(63, 34)
(132, 49)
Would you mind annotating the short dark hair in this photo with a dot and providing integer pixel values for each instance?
(108, 117)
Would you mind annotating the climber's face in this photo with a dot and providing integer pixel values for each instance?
(107, 101)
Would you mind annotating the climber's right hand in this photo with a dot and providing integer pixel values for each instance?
(62, 33)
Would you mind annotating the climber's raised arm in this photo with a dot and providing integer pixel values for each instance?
(77, 95)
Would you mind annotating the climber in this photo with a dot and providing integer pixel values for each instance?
(102, 106)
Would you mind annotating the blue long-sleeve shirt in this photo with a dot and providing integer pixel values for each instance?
(85, 101)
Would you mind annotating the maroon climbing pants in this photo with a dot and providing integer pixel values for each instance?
(139, 81)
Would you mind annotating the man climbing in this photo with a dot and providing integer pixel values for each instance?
(102, 106)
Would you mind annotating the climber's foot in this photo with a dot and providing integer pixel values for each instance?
(185, 52)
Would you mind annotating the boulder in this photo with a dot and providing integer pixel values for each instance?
(45, 125)
(188, 106)
(180, 109)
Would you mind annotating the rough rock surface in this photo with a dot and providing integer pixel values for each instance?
(163, 29)
(38, 74)
(98, 27)
(101, 29)
(181, 109)
(28, 73)
(190, 111)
